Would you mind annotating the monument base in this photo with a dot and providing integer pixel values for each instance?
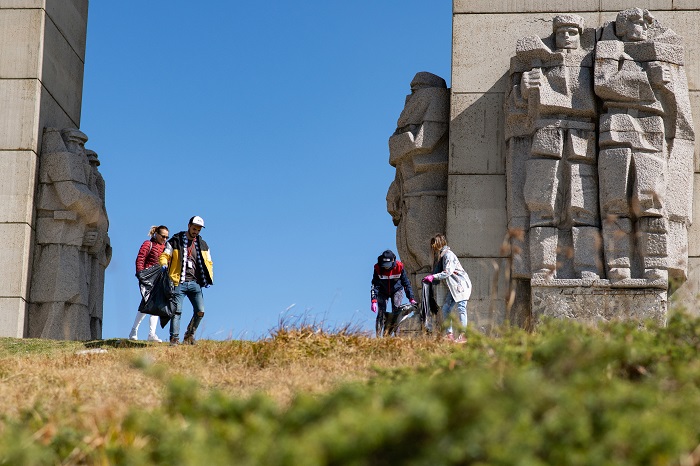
(592, 302)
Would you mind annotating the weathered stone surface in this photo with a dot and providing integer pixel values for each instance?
(694, 229)
(72, 246)
(417, 198)
(596, 304)
(62, 71)
(18, 245)
(70, 17)
(19, 174)
(18, 118)
(512, 6)
(479, 150)
(20, 43)
(12, 317)
(616, 5)
(493, 46)
(476, 215)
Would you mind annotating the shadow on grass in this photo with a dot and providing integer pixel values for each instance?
(119, 343)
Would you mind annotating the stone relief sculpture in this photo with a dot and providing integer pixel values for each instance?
(635, 75)
(72, 246)
(646, 146)
(417, 198)
(551, 112)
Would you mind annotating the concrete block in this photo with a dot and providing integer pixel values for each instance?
(15, 259)
(13, 312)
(62, 72)
(515, 6)
(18, 4)
(694, 230)
(687, 296)
(684, 23)
(20, 43)
(480, 39)
(52, 115)
(476, 215)
(477, 145)
(619, 5)
(596, 304)
(695, 109)
(19, 114)
(17, 186)
(685, 4)
(70, 17)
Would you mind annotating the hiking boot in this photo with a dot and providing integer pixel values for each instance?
(154, 337)
(189, 340)
(174, 341)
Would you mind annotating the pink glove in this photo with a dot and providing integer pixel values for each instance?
(428, 279)
(412, 301)
(374, 307)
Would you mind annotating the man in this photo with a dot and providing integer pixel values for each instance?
(190, 268)
(388, 283)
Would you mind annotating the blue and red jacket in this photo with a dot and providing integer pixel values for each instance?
(387, 282)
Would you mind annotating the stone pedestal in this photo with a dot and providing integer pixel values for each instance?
(597, 301)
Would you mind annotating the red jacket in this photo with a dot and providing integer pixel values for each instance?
(148, 254)
(387, 282)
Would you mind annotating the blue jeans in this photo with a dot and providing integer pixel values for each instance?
(193, 292)
(447, 309)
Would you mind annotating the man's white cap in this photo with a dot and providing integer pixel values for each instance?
(197, 220)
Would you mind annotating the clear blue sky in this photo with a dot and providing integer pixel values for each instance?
(268, 119)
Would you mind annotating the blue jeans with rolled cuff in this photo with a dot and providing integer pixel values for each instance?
(193, 292)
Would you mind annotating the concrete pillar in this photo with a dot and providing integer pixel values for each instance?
(42, 56)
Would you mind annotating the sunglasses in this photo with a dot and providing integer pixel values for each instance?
(163, 236)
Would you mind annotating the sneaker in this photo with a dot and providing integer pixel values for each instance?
(189, 340)
(132, 335)
(174, 341)
(450, 337)
(461, 339)
(154, 337)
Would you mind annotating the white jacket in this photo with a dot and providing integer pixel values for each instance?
(456, 278)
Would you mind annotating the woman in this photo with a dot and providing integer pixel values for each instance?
(447, 267)
(148, 255)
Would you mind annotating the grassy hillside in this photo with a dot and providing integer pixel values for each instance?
(565, 395)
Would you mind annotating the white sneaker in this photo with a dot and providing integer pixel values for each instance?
(132, 335)
(154, 337)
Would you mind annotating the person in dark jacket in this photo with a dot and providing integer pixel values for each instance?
(388, 283)
(148, 256)
(190, 268)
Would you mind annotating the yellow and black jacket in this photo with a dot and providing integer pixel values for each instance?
(174, 256)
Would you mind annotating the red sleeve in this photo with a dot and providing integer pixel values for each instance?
(141, 257)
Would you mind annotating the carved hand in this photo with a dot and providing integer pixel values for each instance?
(530, 79)
(90, 238)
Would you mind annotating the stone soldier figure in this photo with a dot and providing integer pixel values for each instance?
(69, 219)
(417, 198)
(100, 254)
(551, 139)
(646, 147)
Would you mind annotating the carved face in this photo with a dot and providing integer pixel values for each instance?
(635, 27)
(568, 37)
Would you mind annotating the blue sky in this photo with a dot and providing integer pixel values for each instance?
(268, 119)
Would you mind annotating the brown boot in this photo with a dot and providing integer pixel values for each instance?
(189, 339)
(174, 341)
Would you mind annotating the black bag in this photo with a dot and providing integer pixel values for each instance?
(157, 292)
(428, 303)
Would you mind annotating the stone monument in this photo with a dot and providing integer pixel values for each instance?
(52, 196)
(417, 198)
(567, 193)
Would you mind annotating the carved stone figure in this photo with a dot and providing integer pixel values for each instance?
(417, 198)
(71, 225)
(646, 149)
(552, 174)
(100, 253)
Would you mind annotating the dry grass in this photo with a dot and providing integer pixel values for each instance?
(90, 389)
